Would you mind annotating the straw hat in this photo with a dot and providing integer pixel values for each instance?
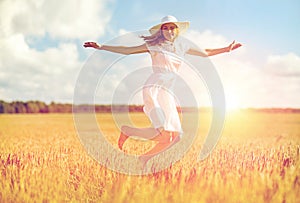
(182, 26)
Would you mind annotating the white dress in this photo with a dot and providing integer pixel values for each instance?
(159, 100)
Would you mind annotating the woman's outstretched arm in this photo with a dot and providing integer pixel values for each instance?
(211, 52)
(118, 49)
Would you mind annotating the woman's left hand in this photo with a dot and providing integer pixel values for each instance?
(234, 46)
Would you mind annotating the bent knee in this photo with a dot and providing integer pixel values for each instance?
(124, 128)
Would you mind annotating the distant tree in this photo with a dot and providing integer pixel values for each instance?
(51, 107)
(32, 107)
(20, 107)
(43, 108)
(102, 108)
(7, 107)
(59, 108)
(2, 106)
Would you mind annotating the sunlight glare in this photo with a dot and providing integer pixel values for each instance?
(232, 102)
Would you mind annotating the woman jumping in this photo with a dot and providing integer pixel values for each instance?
(159, 103)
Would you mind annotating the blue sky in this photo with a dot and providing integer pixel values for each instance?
(271, 25)
(42, 55)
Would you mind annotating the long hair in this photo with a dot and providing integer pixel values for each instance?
(155, 38)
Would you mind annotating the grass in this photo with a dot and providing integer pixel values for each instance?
(256, 160)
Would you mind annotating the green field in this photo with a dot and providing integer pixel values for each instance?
(256, 160)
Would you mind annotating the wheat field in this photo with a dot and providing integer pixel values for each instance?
(256, 160)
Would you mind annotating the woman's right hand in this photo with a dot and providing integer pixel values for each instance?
(92, 44)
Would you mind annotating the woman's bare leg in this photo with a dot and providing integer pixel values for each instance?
(146, 133)
(165, 141)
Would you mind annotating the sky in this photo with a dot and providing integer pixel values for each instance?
(41, 53)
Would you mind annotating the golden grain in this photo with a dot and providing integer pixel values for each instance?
(256, 160)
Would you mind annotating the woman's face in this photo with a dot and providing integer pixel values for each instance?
(169, 31)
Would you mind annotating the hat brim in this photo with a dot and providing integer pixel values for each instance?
(182, 26)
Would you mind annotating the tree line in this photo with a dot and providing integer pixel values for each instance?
(42, 107)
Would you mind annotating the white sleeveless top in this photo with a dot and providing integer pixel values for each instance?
(168, 56)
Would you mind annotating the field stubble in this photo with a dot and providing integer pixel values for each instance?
(256, 160)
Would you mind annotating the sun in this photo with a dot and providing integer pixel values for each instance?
(232, 102)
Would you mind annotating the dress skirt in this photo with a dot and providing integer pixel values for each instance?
(160, 101)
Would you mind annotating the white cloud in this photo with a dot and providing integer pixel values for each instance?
(282, 79)
(252, 82)
(30, 74)
(123, 32)
(283, 65)
(206, 39)
(66, 19)
(27, 73)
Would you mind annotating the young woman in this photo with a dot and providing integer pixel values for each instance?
(159, 104)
